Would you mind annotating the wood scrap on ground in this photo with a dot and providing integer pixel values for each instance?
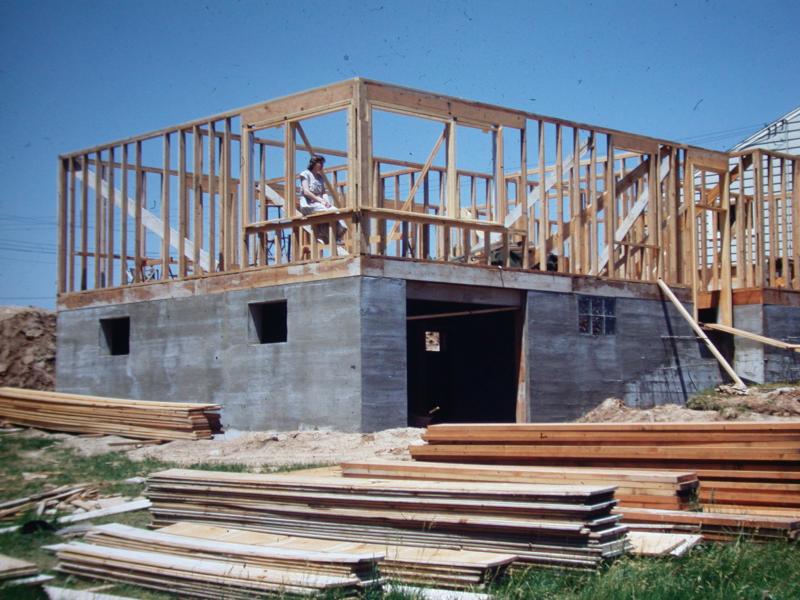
(14, 568)
(65, 494)
(653, 543)
(91, 415)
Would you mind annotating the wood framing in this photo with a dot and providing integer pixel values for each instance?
(585, 199)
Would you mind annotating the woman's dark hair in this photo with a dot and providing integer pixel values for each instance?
(314, 161)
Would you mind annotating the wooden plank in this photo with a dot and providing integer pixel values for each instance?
(197, 199)
(610, 209)
(98, 226)
(109, 208)
(752, 336)
(165, 209)
(138, 201)
(183, 217)
(84, 285)
(709, 160)
(444, 107)
(123, 220)
(63, 223)
(72, 224)
(212, 200)
(636, 143)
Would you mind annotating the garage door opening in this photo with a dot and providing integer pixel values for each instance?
(463, 361)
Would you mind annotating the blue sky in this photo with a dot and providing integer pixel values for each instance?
(74, 74)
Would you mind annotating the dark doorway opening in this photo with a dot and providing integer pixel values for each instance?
(463, 362)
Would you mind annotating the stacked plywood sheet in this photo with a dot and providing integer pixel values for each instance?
(138, 419)
(635, 488)
(198, 576)
(713, 526)
(432, 566)
(549, 525)
(741, 466)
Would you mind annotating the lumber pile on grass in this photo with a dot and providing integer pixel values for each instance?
(674, 490)
(139, 419)
(571, 526)
(742, 467)
(713, 526)
(455, 569)
(188, 576)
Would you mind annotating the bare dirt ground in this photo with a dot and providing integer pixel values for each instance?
(27, 347)
(262, 449)
(767, 403)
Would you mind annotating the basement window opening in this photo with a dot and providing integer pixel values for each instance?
(116, 335)
(596, 316)
(268, 322)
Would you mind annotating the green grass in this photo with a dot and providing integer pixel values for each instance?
(20, 454)
(742, 570)
(711, 399)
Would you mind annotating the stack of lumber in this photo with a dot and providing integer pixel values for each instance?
(189, 576)
(713, 526)
(139, 419)
(455, 569)
(751, 491)
(635, 488)
(14, 568)
(549, 525)
(742, 466)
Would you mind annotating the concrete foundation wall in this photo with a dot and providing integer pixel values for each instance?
(344, 362)
(201, 349)
(653, 358)
(748, 357)
(781, 323)
(757, 362)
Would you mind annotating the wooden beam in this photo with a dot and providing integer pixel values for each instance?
(165, 238)
(725, 306)
(752, 336)
(701, 334)
(63, 169)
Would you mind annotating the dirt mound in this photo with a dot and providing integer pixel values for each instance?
(264, 449)
(724, 404)
(614, 410)
(27, 347)
(767, 402)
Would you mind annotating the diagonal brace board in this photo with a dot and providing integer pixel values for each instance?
(425, 168)
(153, 223)
(533, 197)
(636, 210)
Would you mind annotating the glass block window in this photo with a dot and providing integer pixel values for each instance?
(596, 315)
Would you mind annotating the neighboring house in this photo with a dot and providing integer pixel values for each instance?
(782, 135)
